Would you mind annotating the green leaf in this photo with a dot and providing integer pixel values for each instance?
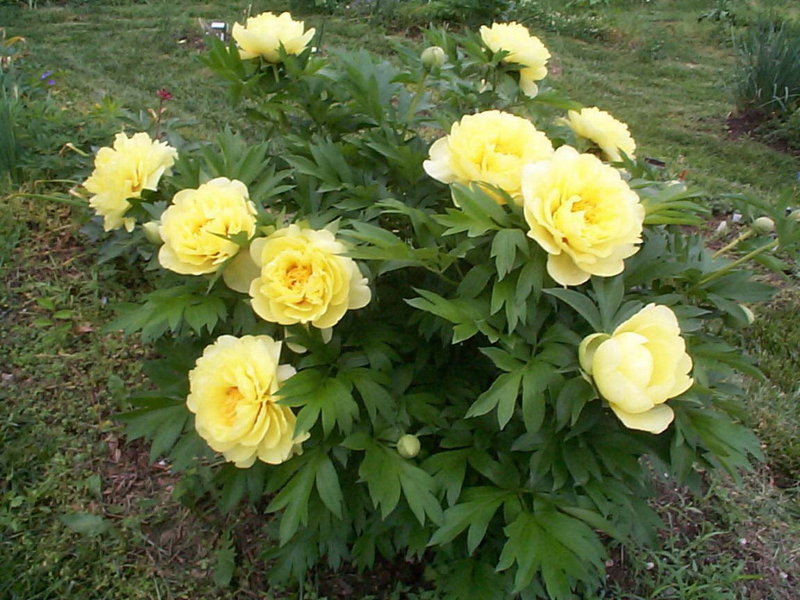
(328, 486)
(503, 394)
(481, 503)
(381, 471)
(224, 558)
(581, 304)
(448, 470)
(233, 487)
(86, 523)
(502, 359)
(471, 579)
(388, 474)
(375, 397)
(609, 292)
(479, 205)
(712, 355)
(531, 278)
(505, 244)
(594, 520)
(167, 433)
(535, 379)
(562, 549)
(301, 384)
(474, 282)
(418, 487)
(669, 202)
(329, 398)
(158, 419)
(293, 499)
(455, 311)
(205, 312)
(572, 397)
(165, 310)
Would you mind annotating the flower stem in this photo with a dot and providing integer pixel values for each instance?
(740, 238)
(412, 108)
(158, 118)
(737, 262)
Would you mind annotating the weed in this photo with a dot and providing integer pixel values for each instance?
(768, 78)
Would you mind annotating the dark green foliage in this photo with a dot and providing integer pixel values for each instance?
(468, 344)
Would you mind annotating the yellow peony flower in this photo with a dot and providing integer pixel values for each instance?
(583, 214)
(303, 278)
(604, 130)
(639, 367)
(123, 171)
(264, 34)
(195, 226)
(523, 49)
(233, 393)
(490, 147)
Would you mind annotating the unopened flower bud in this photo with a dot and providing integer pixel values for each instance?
(408, 446)
(151, 233)
(751, 317)
(795, 215)
(764, 225)
(433, 57)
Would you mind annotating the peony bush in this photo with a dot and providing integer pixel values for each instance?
(441, 314)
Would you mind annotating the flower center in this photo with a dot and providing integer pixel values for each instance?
(296, 276)
(586, 206)
(232, 398)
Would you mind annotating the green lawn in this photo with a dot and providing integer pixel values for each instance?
(83, 515)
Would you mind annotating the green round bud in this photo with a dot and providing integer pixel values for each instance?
(408, 446)
(151, 232)
(764, 225)
(433, 57)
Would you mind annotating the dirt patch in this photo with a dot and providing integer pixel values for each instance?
(750, 125)
(378, 582)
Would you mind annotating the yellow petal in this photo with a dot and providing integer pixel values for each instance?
(564, 271)
(240, 273)
(655, 420)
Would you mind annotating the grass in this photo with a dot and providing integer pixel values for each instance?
(156, 48)
(84, 515)
(668, 78)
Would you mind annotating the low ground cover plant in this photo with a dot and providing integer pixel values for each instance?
(442, 312)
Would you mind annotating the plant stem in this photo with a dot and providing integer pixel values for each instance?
(737, 262)
(740, 238)
(412, 108)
